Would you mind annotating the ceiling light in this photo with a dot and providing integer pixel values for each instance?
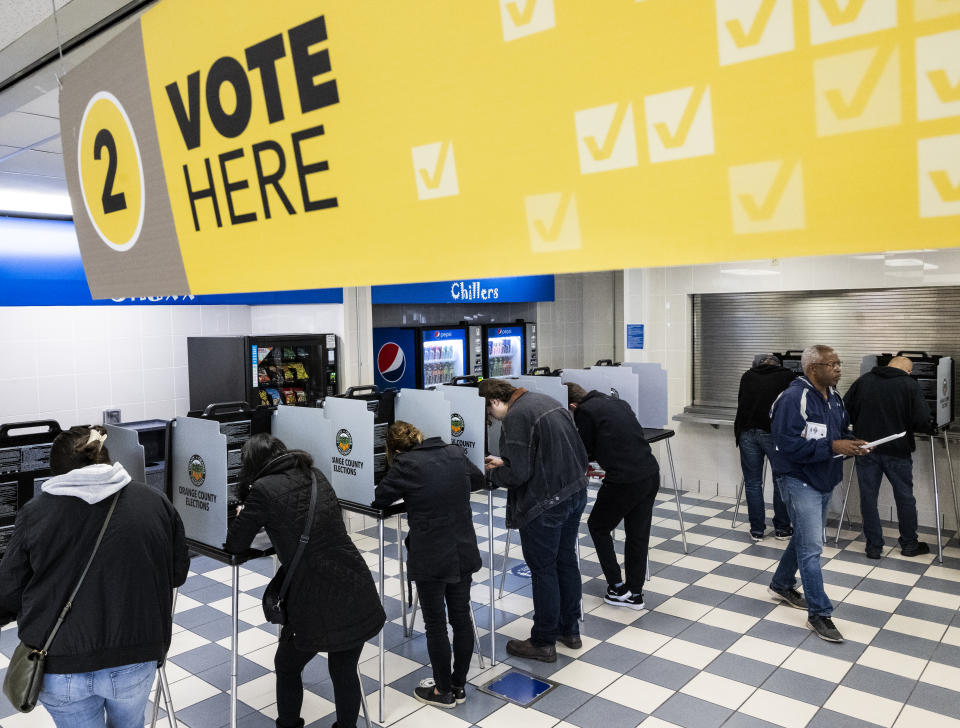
(750, 271)
(35, 202)
(903, 262)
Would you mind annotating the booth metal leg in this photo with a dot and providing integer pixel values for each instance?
(936, 500)
(163, 686)
(476, 638)
(382, 599)
(276, 568)
(234, 644)
(413, 614)
(493, 616)
(363, 699)
(578, 570)
(736, 511)
(953, 484)
(506, 555)
(649, 575)
(676, 492)
(843, 508)
(403, 601)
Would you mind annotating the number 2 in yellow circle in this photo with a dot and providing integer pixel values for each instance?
(111, 172)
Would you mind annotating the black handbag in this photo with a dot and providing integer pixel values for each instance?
(274, 608)
(25, 672)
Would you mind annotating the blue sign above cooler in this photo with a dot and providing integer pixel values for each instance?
(514, 289)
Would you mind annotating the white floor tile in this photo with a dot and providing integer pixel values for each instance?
(952, 636)
(917, 627)
(854, 568)
(395, 667)
(191, 690)
(184, 642)
(698, 564)
(871, 600)
(623, 615)
(513, 716)
(637, 694)
(865, 706)
(258, 693)
(856, 632)
(893, 662)
(640, 640)
(251, 640)
(315, 707)
(396, 706)
(934, 598)
(779, 709)
(683, 608)
(667, 587)
(652, 722)
(726, 619)
(687, 653)
(430, 717)
(894, 576)
(244, 601)
(752, 562)
(763, 650)
(944, 676)
(724, 584)
(719, 690)
(913, 717)
(584, 676)
(819, 666)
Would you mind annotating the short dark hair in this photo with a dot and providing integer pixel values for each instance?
(496, 389)
(575, 393)
(78, 447)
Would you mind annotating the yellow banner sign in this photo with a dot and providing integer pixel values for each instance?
(310, 144)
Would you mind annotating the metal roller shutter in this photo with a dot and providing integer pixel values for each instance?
(729, 328)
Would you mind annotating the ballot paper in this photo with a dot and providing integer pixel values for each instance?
(882, 440)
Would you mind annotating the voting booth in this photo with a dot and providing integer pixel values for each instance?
(24, 467)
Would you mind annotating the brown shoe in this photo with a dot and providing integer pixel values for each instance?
(572, 641)
(525, 648)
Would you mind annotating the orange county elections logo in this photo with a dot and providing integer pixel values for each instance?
(344, 442)
(197, 470)
(457, 425)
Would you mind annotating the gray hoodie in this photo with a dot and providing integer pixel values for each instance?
(92, 483)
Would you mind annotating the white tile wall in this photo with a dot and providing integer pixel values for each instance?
(706, 458)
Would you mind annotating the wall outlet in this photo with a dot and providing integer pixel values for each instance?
(111, 417)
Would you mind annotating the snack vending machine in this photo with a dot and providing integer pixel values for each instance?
(291, 369)
(416, 358)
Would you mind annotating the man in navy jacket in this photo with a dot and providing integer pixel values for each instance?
(810, 427)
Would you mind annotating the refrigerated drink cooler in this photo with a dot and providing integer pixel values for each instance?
(420, 357)
(292, 369)
(510, 350)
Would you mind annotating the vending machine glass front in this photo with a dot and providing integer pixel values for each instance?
(505, 351)
(444, 355)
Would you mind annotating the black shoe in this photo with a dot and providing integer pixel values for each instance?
(629, 600)
(300, 724)
(783, 534)
(918, 550)
(459, 693)
(874, 553)
(789, 596)
(525, 648)
(825, 628)
(428, 695)
(617, 591)
(757, 536)
(572, 641)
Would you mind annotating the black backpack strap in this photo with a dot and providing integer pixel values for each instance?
(304, 539)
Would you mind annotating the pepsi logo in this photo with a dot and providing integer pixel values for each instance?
(436, 334)
(391, 363)
(499, 331)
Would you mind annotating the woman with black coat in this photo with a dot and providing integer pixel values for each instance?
(434, 480)
(332, 605)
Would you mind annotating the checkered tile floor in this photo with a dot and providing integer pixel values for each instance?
(713, 649)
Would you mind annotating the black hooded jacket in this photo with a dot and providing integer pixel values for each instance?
(614, 438)
(759, 387)
(434, 480)
(122, 613)
(333, 603)
(883, 402)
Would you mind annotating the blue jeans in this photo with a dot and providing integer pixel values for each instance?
(114, 697)
(754, 445)
(899, 471)
(549, 544)
(807, 507)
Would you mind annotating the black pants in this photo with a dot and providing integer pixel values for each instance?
(289, 663)
(633, 504)
(433, 594)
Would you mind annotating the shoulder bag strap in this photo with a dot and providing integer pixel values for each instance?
(69, 605)
(304, 538)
